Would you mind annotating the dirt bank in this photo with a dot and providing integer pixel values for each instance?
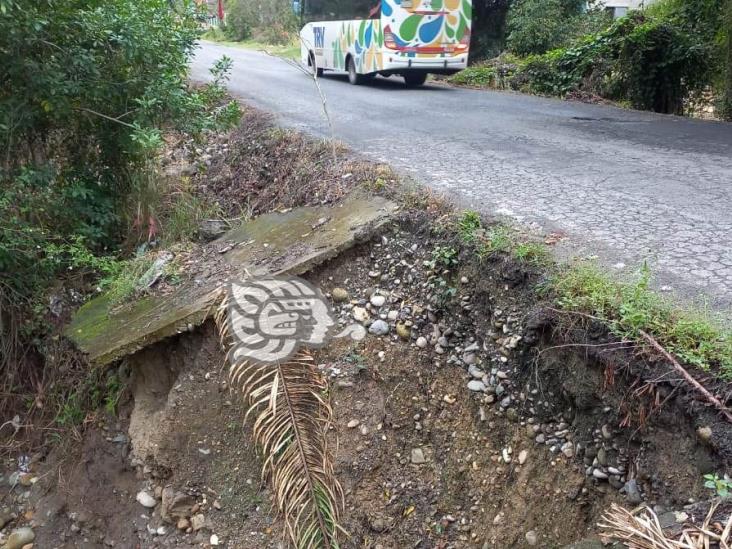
(530, 455)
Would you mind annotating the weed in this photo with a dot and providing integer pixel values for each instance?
(468, 225)
(721, 486)
(123, 281)
(443, 256)
(358, 360)
(114, 391)
(185, 214)
(532, 252)
(629, 307)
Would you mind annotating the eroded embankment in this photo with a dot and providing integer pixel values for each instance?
(473, 414)
(474, 417)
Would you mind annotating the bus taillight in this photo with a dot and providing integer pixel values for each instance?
(389, 40)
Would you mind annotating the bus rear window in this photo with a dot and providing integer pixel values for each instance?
(341, 10)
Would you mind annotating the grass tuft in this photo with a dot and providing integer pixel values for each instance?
(628, 308)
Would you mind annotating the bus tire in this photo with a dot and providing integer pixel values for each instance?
(353, 77)
(415, 79)
(312, 65)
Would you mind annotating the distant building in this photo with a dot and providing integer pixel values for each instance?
(619, 8)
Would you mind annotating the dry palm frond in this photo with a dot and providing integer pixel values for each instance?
(292, 417)
(641, 529)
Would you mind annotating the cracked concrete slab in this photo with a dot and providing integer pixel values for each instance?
(292, 242)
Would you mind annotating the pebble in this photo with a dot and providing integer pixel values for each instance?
(145, 499)
(19, 538)
(197, 522)
(421, 342)
(532, 538)
(339, 295)
(607, 433)
(214, 539)
(632, 492)
(379, 327)
(523, 456)
(476, 372)
(183, 524)
(476, 385)
(378, 300)
(403, 331)
(360, 314)
(506, 456)
(540, 438)
(704, 433)
(353, 423)
(568, 449)
(418, 456)
(598, 474)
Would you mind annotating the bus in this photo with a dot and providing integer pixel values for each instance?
(410, 38)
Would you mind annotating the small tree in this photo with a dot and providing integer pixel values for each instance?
(537, 26)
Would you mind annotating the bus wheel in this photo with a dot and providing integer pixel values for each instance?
(312, 65)
(415, 79)
(353, 76)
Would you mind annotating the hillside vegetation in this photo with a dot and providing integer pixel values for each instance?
(670, 58)
(88, 89)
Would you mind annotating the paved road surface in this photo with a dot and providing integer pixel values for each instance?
(626, 186)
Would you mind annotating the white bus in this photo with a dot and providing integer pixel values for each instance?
(411, 38)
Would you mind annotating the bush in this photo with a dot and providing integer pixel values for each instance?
(537, 26)
(661, 64)
(650, 63)
(272, 22)
(87, 88)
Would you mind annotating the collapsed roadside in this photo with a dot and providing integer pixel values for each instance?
(479, 411)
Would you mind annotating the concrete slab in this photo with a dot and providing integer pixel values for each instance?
(273, 244)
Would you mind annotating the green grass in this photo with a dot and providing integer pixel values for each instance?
(288, 51)
(534, 253)
(479, 76)
(694, 336)
(627, 308)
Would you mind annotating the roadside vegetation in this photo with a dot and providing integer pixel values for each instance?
(272, 26)
(627, 308)
(89, 93)
(673, 57)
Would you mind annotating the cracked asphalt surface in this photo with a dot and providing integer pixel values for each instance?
(622, 185)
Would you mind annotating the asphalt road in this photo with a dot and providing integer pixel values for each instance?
(622, 185)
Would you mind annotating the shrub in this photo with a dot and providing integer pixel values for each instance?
(661, 64)
(87, 88)
(272, 22)
(537, 26)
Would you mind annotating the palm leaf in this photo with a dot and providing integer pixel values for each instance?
(291, 418)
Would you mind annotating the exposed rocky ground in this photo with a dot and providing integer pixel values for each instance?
(470, 416)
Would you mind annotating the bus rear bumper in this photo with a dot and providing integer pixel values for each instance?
(437, 65)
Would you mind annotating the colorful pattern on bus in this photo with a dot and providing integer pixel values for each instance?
(367, 38)
(427, 22)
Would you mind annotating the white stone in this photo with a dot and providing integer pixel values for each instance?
(145, 499)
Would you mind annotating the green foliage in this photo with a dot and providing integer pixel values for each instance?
(271, 22)
(628, 308)
(661, 64)
(721, 486)
(87, 89)
(468, 225)
(531, 252)
(649, 63)
(537, 26)
(444, 257)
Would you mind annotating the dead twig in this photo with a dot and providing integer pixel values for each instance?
(709, 397)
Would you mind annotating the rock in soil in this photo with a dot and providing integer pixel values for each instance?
(19, 538)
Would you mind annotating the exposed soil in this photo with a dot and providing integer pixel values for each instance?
(430, 463)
